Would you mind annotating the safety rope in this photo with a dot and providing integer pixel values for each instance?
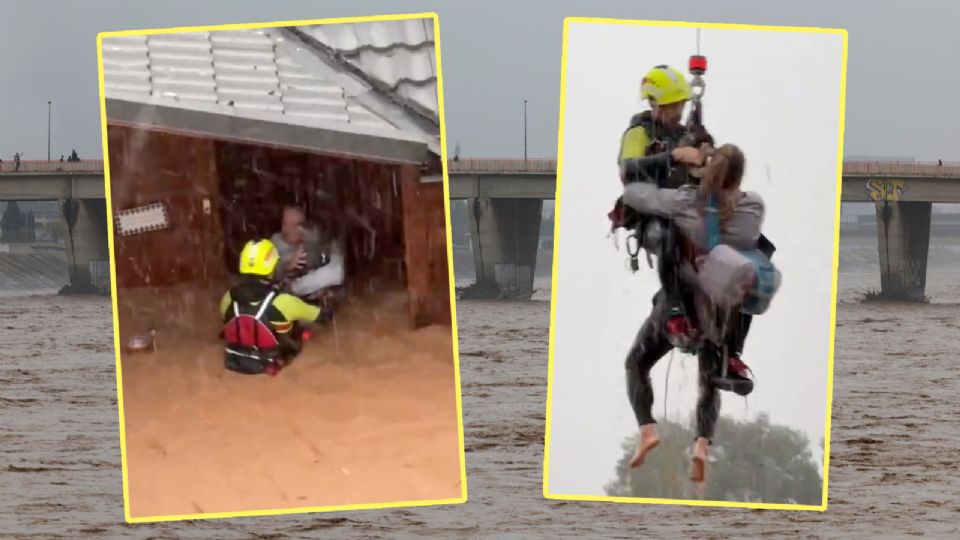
(666, 383)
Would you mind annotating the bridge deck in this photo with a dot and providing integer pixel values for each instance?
(88, 166)
(51, 180)
(863, 181)
(906, 169)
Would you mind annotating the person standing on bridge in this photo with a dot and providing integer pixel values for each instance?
(16, 162)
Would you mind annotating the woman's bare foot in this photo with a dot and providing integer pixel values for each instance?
(649, 439)
(698, 470)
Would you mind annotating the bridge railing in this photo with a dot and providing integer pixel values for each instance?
(901, 168)
(864, 168)
(494, 165)
(44, 166)
(519, 165)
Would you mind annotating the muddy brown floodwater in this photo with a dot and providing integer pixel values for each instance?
(896, 429)
(366, 414)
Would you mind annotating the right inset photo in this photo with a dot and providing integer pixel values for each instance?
(694, 279)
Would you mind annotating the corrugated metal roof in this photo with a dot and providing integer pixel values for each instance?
(399, 54)
(263, 73)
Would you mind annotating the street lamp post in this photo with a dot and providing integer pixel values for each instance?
(49, 105)
(524, 131)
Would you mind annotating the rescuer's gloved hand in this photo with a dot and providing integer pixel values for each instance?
(688, 155)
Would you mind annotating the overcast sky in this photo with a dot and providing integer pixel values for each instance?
(788, 348)
(495, 55)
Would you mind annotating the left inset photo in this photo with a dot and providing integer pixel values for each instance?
(283, 301)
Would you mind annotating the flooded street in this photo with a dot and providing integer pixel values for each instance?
(895, 431)
(366, 414)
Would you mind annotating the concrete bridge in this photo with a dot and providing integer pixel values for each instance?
(78, 187)
(505, 198)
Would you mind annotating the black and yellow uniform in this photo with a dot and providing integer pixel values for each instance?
(645, 152)
(281, 316)
(645, 156)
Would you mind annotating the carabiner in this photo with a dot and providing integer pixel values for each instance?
(633, 253)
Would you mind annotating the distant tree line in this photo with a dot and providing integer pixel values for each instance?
(752, 462)
(16, 225)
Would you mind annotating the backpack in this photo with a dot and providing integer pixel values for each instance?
(252, 347)
(731, 277)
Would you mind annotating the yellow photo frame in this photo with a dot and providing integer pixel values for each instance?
(547, 491)
(462, 483)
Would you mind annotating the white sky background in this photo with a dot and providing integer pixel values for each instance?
(777, 96)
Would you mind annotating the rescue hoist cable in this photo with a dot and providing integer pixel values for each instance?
(697, 66)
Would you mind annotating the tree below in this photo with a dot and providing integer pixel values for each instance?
(12, 223)
(751, 462)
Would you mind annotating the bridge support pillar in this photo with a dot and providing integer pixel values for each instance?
(86, 241)
(904, 240)
(505, 234)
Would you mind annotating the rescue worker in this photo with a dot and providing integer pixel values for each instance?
(656, 148)
(650, 152)
(741, 215)
(264, 328)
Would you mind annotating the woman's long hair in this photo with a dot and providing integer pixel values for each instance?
(721, 178)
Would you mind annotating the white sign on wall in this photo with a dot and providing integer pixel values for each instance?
(152, 217)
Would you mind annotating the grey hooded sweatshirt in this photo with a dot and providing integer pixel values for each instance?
(681, 205)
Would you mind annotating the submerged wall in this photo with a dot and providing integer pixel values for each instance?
(221, 194)
(426, 253)
(177, 272)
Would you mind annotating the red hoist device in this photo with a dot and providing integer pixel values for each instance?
(697, 66)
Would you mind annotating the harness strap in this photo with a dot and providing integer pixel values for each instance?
(265, 305)
(242, 353)
(712, 223)
(712, 233)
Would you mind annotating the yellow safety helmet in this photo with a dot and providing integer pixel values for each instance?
(259, 258)
(664, 85)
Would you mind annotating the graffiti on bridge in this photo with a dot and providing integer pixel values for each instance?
(881, 189)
